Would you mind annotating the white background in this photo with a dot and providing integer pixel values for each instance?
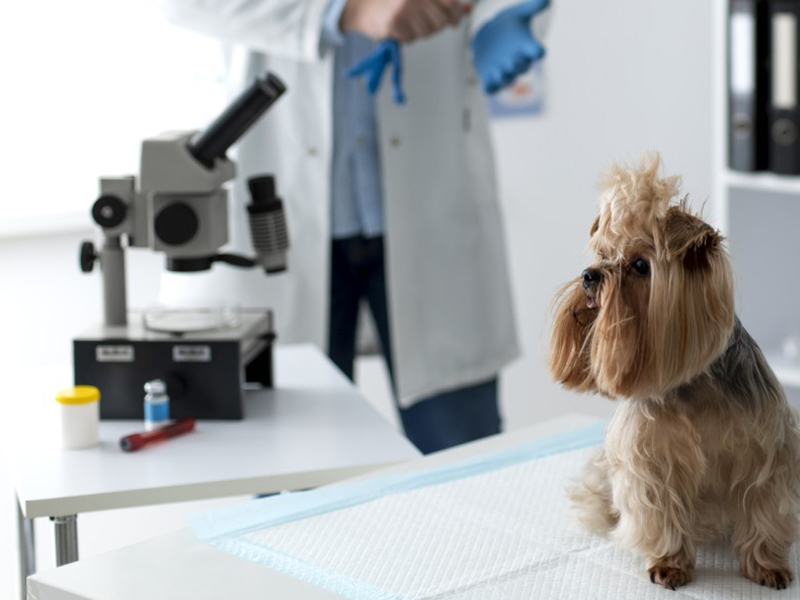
(622, 77)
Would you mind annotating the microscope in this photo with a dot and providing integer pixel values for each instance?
(179, 207)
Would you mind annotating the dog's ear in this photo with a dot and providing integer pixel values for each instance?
(690, 239)
(595, 227)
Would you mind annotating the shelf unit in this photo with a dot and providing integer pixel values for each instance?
(762, 182)
(759, 213)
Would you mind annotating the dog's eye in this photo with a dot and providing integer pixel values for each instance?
(640, 266)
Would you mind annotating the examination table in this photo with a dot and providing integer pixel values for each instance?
(486, 520)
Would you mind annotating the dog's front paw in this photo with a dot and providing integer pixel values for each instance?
(669, 576)
(778, 579)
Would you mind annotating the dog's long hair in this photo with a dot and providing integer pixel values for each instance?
(662, 330)
(706, 442)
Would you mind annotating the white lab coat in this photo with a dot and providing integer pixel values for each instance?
(450, 307)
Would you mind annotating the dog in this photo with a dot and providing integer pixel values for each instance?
(704, 444)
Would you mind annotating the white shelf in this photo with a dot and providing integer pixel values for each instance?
(787, 372)
(763, 181)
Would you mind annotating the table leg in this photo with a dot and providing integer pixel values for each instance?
(66, 539)
(26, 550)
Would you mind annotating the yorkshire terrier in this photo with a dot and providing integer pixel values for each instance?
(705, 444)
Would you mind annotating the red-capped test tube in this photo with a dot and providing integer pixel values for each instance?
(135, 441)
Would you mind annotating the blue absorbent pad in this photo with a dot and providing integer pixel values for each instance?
(239, 528)
(497, 526)
(276, 510)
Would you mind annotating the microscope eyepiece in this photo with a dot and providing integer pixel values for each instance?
(236, 119)
(262, 189)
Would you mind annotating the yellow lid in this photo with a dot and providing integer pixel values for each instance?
(80, 394)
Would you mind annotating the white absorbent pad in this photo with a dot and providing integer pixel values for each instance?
(496, 527)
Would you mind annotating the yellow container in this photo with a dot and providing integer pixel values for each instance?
(80, 416)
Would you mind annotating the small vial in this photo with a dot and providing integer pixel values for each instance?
(156, 404)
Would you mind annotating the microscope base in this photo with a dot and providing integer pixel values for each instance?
(210, 368)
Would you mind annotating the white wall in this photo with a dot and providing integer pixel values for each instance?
(45, 299)
(623, 76)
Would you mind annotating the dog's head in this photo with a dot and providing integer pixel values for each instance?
(656, 307)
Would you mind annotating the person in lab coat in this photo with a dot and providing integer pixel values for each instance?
(391, 203)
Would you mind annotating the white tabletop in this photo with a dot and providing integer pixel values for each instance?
(178, 566)
(312, 429)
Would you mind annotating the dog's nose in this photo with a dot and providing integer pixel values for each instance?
(590, 276)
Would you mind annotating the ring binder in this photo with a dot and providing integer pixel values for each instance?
(784, 116)
(748, 85)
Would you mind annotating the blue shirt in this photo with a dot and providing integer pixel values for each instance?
(356, 185)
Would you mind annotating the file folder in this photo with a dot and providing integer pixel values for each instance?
(748, 52)
(784, 117)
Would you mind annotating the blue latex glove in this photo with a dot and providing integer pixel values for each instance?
(375, 63)
(505, 47)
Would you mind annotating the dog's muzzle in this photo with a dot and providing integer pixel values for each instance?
(590, 278)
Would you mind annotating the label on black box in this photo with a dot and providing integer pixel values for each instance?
(114, 354)
(191, 353)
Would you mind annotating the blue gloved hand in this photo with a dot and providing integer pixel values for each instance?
(374, 64)
(505, 47)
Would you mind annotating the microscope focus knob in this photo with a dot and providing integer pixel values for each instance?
(87, 257)
(109, 211)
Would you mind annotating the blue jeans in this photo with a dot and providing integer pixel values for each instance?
(431, 424)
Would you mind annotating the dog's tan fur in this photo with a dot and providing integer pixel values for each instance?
(705, 443)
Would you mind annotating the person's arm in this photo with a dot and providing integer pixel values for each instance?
(288, 28)
(396, 21)
(332, 33)
(401, 20)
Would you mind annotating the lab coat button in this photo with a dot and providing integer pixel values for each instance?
(312, 151)
(394, 141)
